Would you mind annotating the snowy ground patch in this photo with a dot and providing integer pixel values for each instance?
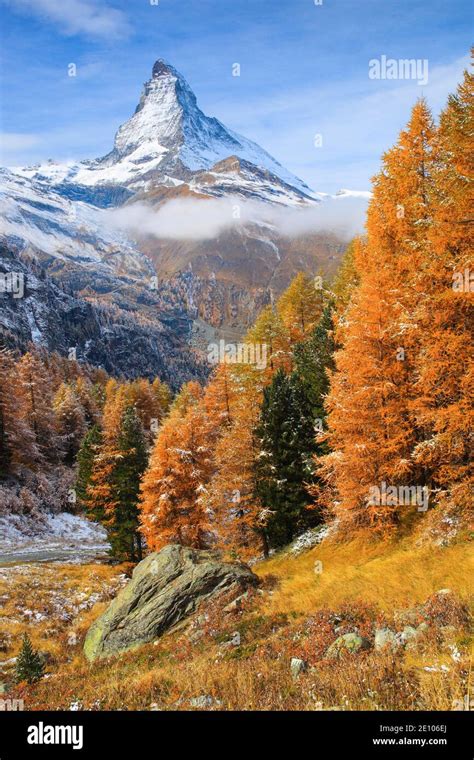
(59, 536)
(308, 539)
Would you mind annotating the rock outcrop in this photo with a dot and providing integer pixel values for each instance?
(350, 643)
(165, 588)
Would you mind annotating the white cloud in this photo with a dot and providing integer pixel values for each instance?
(90, 17)
(190, 219)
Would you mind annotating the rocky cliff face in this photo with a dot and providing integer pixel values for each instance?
(34, 308)
(227, 281)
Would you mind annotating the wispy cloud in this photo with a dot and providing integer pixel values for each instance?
(90, 17)
(190, 219)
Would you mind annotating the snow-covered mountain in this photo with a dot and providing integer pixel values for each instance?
(56, 216)
(168, 142)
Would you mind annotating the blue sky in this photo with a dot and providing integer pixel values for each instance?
(304, 72)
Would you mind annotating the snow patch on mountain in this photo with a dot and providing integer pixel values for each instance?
(45, 221)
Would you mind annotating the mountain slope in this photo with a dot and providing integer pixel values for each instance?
(56, 227)
(296, 614)
(134, 333)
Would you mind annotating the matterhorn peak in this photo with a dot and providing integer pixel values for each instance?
(169, 140)
(156, 125)
(162, 68)
(168, 130)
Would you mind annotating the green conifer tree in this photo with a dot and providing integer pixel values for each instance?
(85, 460)
(284, 464)
(29, 666)
(313, 360)
(130, 462)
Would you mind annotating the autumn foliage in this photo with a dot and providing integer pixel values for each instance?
(399, 408)
(380, 362)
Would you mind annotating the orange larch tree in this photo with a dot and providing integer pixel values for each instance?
(17, 441)
(236, 513)
(371, 401)
(446, 312)
(301, 305)
(173, 487)
(36, 393)
(100, 500)
(270, 332)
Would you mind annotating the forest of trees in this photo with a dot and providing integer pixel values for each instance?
(368, 381)
(47, 404)
(73, 438)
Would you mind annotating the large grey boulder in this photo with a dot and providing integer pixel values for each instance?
(165, 588)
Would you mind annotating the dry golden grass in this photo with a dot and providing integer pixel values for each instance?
(390, 574)
(156, 678)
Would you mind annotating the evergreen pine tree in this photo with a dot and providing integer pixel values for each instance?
(85, 459)
(121, 520)
(313, 359)
(284, 467)
(29, 666)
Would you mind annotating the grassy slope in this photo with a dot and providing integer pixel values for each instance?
(274, 628)
(396, 574)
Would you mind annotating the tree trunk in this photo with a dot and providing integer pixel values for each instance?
(265, 546)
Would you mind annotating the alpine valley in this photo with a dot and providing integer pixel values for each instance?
(131, 301)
